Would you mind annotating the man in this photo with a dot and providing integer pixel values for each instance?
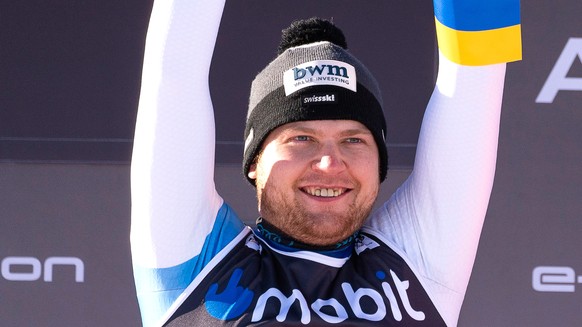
(314, 150)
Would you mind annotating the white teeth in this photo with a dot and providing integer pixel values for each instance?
(324, 192)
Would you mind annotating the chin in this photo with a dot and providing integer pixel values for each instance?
(317, 225)
(331, 232)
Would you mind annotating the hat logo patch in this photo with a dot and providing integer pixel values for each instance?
(320, 72)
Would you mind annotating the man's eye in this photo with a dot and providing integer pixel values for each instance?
(354, 140)
(302, 138)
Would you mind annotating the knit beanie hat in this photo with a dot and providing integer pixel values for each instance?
(314, 77)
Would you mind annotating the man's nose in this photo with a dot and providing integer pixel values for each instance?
(329, 160)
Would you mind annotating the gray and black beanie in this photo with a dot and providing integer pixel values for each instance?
(314, 77)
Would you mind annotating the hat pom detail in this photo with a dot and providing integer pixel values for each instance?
(311, 30)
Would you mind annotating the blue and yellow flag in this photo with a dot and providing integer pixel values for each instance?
(478, 32)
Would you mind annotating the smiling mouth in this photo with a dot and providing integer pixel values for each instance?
(324, 192)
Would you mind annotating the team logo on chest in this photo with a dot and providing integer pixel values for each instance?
(389, 300)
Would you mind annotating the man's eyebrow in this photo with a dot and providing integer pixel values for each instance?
(346, 132)
(356, 131)
(301, 129)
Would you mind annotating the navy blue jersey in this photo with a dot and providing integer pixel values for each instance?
(257, 284)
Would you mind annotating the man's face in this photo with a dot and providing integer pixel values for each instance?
(317, 180)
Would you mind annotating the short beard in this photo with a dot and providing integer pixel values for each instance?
(321, 229)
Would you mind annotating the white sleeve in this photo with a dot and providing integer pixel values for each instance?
(435, 217)
(174, 201)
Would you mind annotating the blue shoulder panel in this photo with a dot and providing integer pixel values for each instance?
(158, 288)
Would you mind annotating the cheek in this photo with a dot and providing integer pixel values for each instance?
(365, 163)
(268, 169)
(274, 171)
(282, 160)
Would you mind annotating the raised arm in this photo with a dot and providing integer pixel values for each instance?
(436, 217)
(174, 201)
(172, 168)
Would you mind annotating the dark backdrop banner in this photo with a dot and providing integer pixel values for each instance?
(69, 85)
